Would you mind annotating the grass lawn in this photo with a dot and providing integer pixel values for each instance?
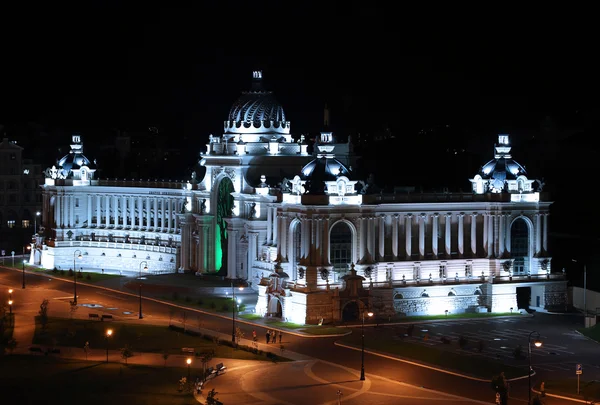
(88, 277)
(144, 338)
(592, 333)
(311, 329)
(216, 304)
(457, 316)
(326, 330)
(471, 365)
(568, 386)
(46, 379)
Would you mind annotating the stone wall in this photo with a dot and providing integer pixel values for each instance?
(556, 295)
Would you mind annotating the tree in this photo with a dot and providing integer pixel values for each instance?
(44, 313)
(211, 397)
(205, 357)
(126, 353)
(239, 334)
(165, 356)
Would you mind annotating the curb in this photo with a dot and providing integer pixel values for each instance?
(414, 363)
(421, 322)
(581, 401)
(237, 319)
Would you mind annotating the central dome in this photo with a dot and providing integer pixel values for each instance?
(257, 112)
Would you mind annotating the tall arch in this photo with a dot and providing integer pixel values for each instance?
(353, 251)
(294, 252)
(521, 244)
(222, 207)
(340, 246)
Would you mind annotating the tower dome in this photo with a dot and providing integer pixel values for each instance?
(257, 112)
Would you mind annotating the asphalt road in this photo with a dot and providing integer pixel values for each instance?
(125, 307)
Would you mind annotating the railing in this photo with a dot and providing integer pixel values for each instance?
(114, 245)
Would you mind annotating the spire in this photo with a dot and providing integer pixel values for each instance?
(257, 80)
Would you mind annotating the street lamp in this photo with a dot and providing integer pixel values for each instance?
(108, 334)
(188, 361)
(75, 276)
(140, 278)
(37, 214)
(24, 264)
(233, 317)
(362, 366)
(10, 302)
(10, 291)
(538, 343)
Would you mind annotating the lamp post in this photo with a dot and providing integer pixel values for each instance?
(108, 334)
(140, 278)
(189, 362)
(10, 291)
(233, 314)
(362, 352)
(75, 277)
(10, 302)
(37, 214)
(538, 343)
(23, 265)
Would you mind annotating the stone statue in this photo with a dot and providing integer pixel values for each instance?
(252, 214)
(203, 206)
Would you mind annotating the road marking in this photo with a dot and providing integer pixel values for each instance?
(112, 296)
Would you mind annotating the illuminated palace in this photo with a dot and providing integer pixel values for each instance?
(303, 232)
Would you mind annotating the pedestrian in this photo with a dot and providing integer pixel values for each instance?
(273, 336)
(102, 271)
(268, 336)
(254, 335)
(280, 336)
(543, 389)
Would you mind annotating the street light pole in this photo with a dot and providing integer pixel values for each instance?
(537, 343)
(10, 302)
(75, 278)
(233, 312)
(23, 267)
(37, 214)
(188, 361)
(140, 278)
(108, 334)
(362, 352)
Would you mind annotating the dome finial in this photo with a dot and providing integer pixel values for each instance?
(257, 80)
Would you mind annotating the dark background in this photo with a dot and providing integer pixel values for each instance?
(423, 92)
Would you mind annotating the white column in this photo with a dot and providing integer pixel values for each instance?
(434, 234)
(302, 238)
(461, 233)
(545, 235)
(65, 206)
(98, 208)
(312, 223)
(369, 222)
(231, 251)
(115, 205)
(474, 234)
(381, 237)
(448, 235)
(89, 210)
(538, 234)
(57, 211)
(282, 242)
(408, 238)
(169, 216)
(155, 218)
(490, 252)
(422, 218)
(484, 236)
(72, 211)
(395, 236)
(362, 241)
(201, 262)
(132, 211)
(148, 211)
(317, 222)
(163, 214)
(269, 240)
(140, 203)
(107, 211)
(325, 231)
(124, 211)
(501, 228)
(274, 218)
(507, 246)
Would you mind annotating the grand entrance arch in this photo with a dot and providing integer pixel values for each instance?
(351, 311)
(274, 308)
(223, 210)
(519, 246)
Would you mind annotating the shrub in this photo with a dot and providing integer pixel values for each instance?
(518, 352)
(79, 274)
(213, 305)
(225, 307)
(62, 272)
(463, 342)
(175, 295)
(71, 272)
(188, 299)
(88, 276)
(200, 301)
(55, 270)
(242, 307)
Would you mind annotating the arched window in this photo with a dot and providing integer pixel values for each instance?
(519, 246)
(451, 294)
(398, 296)
(424, 295)
(297, 244)
(477, 292)
(340, 246)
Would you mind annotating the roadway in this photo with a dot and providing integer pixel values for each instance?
(124, 307)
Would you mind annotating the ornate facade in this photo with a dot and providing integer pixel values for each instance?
(305, 233)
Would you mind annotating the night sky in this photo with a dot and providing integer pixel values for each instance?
(481, 71)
